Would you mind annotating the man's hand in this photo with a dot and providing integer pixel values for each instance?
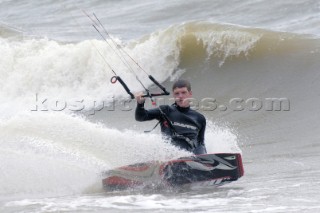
(139, 97)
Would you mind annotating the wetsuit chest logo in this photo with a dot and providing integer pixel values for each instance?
(184, 125)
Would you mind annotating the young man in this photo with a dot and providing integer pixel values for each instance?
(184, 126)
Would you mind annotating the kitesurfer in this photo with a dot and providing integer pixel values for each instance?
(184, 126)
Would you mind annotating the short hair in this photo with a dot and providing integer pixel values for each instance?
(181, 83)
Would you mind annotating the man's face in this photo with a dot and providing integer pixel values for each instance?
(181, 96)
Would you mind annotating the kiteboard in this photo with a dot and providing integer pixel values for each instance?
(198, 170)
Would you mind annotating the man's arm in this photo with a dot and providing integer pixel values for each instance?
(202, 132)
(201, 148)
(142, 114)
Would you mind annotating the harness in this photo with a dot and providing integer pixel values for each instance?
(175, 134)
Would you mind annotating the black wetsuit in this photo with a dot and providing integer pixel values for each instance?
(187, 126)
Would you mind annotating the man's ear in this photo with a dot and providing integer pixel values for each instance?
(190, 92)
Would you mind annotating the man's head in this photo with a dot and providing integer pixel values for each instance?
(181, 90)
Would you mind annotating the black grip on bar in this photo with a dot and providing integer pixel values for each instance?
(159, 85)
(153, 95)
(125, 87)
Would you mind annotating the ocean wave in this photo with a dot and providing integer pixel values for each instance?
(211, 41)
(83, 70)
